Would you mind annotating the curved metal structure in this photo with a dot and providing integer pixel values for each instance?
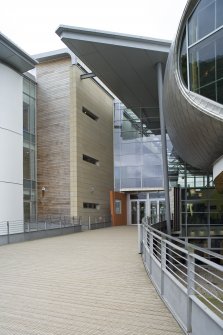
(194, 121)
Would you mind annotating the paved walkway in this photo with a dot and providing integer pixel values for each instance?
(86, 283)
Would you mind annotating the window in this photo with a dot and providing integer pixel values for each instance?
(183, 56)
(90, 205)
(219, 11)
(25, 116)
(204, 35)
(118, 207)
(202, 21)
(89, 114)
(29, 149)
(26, 163)
(90, 160)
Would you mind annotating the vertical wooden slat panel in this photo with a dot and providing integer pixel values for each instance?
(53, 137)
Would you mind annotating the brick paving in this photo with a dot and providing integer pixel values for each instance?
(86, 283)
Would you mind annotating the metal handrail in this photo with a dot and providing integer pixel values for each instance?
(51, 222)
(186, 245)
(200, 278)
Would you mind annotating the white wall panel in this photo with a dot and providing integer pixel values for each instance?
(11, 157)
(11, 99)
(11, 202)
(11, 145)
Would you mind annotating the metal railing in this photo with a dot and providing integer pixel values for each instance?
(96, 222)
(188, 278)
(51, 225)
(11, 227)
(51, 222)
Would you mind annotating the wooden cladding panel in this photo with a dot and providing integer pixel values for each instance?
(53, 137)
(93, 138)
(65, 133)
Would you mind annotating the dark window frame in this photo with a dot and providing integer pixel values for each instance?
(90, 160)
(89, 114)
(90, 205)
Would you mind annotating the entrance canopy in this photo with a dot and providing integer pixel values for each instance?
(126, 64)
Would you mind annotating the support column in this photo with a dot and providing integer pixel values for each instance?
(164, 146)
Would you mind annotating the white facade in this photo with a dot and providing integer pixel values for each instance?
(11, 145)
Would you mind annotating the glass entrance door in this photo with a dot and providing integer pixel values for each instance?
(162, 210)
(153, 211)
(142, 210)
(138, 211)
(134, 212)
(157, 210)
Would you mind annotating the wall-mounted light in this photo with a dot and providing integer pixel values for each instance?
(43, 191)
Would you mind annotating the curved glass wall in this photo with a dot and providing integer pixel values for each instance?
(202, 46)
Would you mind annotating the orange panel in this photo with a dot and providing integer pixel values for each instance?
(118, 219)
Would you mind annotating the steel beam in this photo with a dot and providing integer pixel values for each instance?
(164, 146)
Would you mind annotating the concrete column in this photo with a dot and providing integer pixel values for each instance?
(164, 146)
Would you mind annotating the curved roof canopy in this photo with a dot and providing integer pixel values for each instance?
(126, 64)
(14, 57)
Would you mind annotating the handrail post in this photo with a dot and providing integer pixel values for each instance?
(140, 237)
(150, 250)
(190, 286)
(80, 222)
(8, 231)
(163, 262)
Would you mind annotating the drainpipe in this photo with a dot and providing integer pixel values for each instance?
(164, 146)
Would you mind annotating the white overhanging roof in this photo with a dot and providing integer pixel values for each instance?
(55, 54)
(125, 63)
(14, 57)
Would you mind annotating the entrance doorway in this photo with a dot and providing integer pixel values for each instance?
(146, 204)
(138, 211)
(157, 211)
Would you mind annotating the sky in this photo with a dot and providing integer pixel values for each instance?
(31, 24)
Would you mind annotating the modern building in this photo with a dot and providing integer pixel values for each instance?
(13, 64)
(178, 171)
(75, 139)
(133, 68)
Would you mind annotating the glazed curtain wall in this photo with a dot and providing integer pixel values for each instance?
(202, 217)
(29, 149)
(137, 148)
